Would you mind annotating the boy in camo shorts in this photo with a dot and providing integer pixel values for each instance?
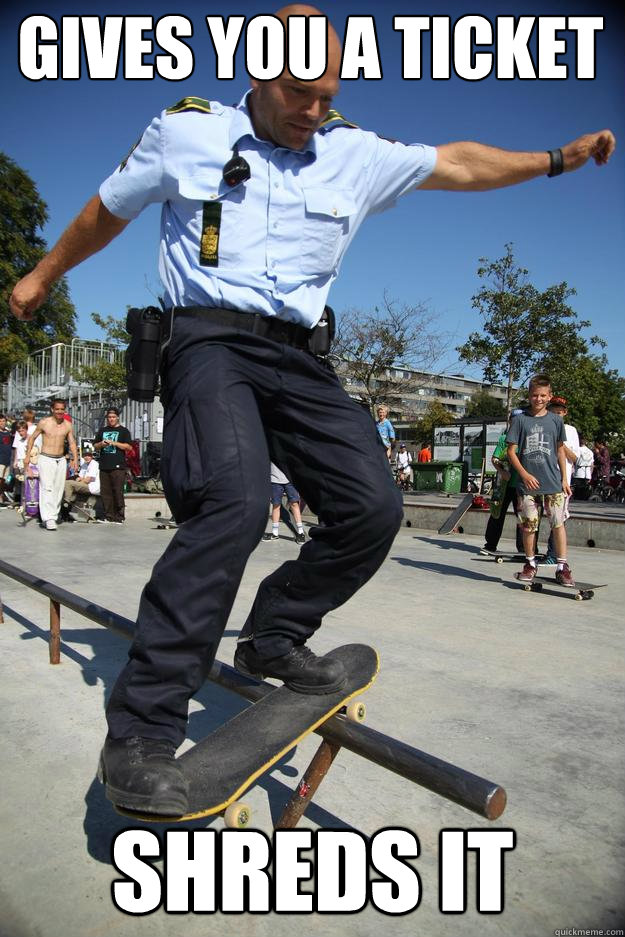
(536, 450)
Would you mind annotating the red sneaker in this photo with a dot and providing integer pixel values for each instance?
(527, 573)
(565, 577)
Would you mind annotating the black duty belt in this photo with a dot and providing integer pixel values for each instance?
(286, 333)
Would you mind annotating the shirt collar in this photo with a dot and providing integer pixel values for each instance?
(242, 126)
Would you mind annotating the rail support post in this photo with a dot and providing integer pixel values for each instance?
(307, 787)
(55, 632)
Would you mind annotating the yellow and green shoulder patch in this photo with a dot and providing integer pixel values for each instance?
(190, 104)
(334, 119)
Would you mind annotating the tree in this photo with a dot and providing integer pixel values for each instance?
(108, 376)
(483, 406)
(595, 393)
(22, 214)
(522, 325)
(436, 414)
(393, 337)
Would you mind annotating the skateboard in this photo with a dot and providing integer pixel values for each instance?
(163, 523)
(87, 515)
(456, 515)
(221, 767)
(580, 591)
(504, 556)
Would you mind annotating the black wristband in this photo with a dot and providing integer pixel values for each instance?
(556, 163)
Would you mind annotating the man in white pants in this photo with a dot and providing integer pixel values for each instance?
(52, 463)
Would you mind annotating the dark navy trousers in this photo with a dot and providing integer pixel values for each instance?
(233, 400)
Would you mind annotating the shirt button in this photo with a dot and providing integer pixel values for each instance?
(334, 212)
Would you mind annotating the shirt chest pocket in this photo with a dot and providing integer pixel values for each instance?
(327, 216)
(213, 217)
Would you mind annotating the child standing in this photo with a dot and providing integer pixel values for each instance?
(536, 441)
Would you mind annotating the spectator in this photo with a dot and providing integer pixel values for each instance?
(536, 441)
(87, 482)
(280, 486)
(425, 454)
(5, 458)
(385, 429)
(506, 495)
(113, 442)
(582, 471)
(602, 461)
(404, 461)
(558, 405)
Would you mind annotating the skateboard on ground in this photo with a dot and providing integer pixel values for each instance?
(163, 523)
(221, 767)
(456, 515)
(84, 512)
(580, 591)
(504, 556)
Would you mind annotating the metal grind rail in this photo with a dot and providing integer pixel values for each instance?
(441, 777)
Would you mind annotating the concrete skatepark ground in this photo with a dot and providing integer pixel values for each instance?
(524, 689)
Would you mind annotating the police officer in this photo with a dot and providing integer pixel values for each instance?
(260, 202)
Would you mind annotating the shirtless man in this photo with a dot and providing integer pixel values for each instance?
(52, 465)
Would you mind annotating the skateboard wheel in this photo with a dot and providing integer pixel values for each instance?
(579, 596)
(499, 559)
(527, 587)
(356, 711)
(237, 816)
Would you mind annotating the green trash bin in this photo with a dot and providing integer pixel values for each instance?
(438, 476)
(428, 476)
(452, 478)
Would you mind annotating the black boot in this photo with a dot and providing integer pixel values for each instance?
(142, 774)
(300, 669)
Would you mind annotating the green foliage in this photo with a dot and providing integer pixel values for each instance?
(22, 214)
(595, 393)
(483, 406)
(108, 376)
(435, 415)
(522, 325)
(391, 337)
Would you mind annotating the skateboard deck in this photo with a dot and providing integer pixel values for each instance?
(580, 591)
(503, 556)
(87, 515)
(221, 767)
(456, 515)
(163, 523)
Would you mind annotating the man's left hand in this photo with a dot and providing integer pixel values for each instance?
(599, 146)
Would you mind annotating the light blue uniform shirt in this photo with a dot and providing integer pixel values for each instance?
(284, 231)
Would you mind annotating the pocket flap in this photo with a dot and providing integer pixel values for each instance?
(203, 187)
(324, 200)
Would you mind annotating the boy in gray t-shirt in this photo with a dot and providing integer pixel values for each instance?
(535, 449)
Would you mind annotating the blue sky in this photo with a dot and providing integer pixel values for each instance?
(70, 134)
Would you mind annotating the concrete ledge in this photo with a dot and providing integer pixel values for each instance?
(583, 529)
(140, 505)
(605, 533)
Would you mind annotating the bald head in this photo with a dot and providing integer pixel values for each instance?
(287, 110)
(334, 43)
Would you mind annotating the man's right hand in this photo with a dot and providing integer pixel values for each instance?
(530, 482)
(28, 295)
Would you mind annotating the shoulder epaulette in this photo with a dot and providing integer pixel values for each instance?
(334, 119)
(190, 104)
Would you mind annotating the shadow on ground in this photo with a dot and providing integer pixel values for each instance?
(101, 822)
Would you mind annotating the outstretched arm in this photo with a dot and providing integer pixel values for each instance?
(88, 233)
(474, 167)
